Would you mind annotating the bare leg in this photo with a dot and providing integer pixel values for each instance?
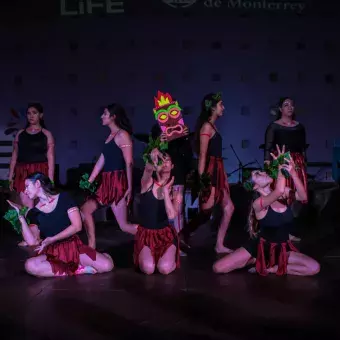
(299, 264)
(146, 261)
(38, 266)
(167, 263)
(120, 212)
(102, 264)
(179, 220)
(228, 210)
(87, 210)
(236, 260)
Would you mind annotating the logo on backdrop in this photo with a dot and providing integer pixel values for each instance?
(250, 5)
(85, 7)
(179, 3)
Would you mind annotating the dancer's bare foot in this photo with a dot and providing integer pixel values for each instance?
(272, 270)
(223, 250)
(23, 244)
(294, 238)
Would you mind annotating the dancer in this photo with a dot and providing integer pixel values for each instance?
(57, 219)
(289, 132)
(179, 146)
(269, 246)
(156, 244)
(33, 150)
(114, 167)
(210, 163)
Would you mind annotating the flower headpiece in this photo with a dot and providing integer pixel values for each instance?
(247, 181)
(217, 97)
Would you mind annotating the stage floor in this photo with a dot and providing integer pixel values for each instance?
(192, 303)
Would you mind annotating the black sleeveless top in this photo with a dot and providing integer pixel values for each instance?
(51, 224)
(293, 137)
(32, 148)
(215, 144)
(113, 156)
(274, 219)
(151, 211)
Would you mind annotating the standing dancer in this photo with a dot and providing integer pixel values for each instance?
(168, 114)
(156, 243)
(287, 131)
(57, 219)
(33, 150)
(114, 167)
(210, 164)
(269, 246)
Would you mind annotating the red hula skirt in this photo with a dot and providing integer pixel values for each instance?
(64, 256)
(219, 180)
(112, 188)
(158, 240)
(277, 256)
(300, 165)
(22, 170)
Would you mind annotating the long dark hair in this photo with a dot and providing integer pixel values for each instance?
(121, 119)
(253, 223)
(206, 112)
(45, 182)
(40, 109)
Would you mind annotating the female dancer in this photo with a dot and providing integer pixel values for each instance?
(56, 217)
(181, 155)
(287, 131)
(270, 247)
(116, 164)
(156, 243)
(210, 161)
(33, 150)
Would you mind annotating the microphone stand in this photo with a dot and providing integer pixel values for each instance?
(240, 166)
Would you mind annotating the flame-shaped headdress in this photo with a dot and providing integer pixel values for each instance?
(162, 101)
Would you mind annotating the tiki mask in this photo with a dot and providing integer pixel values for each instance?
(169, 116)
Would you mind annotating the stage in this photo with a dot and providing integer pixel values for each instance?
(192, 303)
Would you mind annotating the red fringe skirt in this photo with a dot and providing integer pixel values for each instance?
(112, 188)
(64, 256)
(158, 240)
(278, 255)
(300, 165)
(219, 180)
(22, 170)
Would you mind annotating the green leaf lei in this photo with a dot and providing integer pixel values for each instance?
(13, 218)
(153, 144)
(84, 184)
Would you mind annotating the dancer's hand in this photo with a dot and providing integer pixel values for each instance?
(167, 187)
(279, 152)
(44, 244)
(17, 207)
(289, 167)
(11, 188)
(185, 131)
(155, 155)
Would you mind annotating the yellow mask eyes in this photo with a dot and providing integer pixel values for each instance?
(163, 116)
